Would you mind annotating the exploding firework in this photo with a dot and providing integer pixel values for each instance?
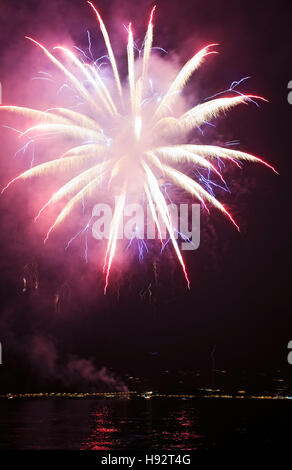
(130, 113)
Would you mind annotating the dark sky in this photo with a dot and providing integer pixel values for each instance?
(241, 283)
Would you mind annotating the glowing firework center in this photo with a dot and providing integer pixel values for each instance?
(125, 144)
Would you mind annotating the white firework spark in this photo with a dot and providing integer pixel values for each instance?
(114, 115)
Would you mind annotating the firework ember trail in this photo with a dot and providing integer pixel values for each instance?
(115, 111)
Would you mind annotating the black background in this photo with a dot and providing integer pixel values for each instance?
(241, 283)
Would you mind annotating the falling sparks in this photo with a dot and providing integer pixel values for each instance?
(127, 112)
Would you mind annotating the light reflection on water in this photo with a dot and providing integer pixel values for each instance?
(160, 424)
(143, 428)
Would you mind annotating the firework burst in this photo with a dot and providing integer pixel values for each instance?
(127, 113)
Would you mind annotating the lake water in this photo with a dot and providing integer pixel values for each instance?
(158, 424)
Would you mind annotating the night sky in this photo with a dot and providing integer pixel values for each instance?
(241, 282)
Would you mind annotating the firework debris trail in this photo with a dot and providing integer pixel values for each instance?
(96, 159)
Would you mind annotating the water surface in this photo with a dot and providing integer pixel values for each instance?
(161, 424)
